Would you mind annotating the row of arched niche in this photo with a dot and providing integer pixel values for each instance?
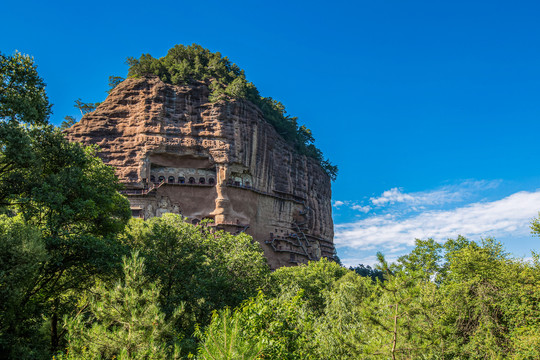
(182, 180)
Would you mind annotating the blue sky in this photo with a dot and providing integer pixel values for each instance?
(429, 108)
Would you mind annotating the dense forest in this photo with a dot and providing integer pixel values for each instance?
(79, 279)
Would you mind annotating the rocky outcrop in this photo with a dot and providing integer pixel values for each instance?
(177, 152)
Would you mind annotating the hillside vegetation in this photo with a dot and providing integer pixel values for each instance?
(80, 279)
(185, 65)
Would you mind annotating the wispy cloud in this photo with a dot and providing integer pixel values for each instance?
(397, 201)
(392, 196)
(444, 195)
(351, 205)
(364, 209)
(508, 216)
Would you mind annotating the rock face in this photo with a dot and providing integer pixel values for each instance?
(177, 152)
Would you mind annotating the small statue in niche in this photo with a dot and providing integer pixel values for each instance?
(164, 206)
(149, 212)
(163, 203)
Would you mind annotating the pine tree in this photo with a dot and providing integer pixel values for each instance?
(225, 339)
(122, 321)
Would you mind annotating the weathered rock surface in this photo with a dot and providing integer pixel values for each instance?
(178, 152)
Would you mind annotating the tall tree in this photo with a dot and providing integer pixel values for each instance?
(22, 255)
(24, 107)
(73, 198)
(474, 290)
(60, 188)
(396, 315)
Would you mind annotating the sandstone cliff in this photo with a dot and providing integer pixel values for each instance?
(178, 152)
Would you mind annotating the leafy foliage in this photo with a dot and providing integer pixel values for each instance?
(312, 279)
(223, 339)
(65, 196)
(398, 315)
(68, 122)
(22, 254)
(185, 65)
(113, 82)
(203, 269)
(22, 91)
(340, 334)
(24, 106)
(84, 107)
(268, 328)
(368, 271)
(122, 320)
(535, 226)
(460, 299)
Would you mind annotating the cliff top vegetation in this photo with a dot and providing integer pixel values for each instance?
(188, 65)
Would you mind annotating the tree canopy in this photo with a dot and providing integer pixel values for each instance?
(22, 91)
(187, 65)
(62, 212)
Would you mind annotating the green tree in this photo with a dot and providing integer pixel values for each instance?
(85, 108)
(205, 269)
(397, 315)
(367, 271)
(22, 254)
(22, 92)
(225, 339)
(23, 106)
(341, 333)
(267, 328)
(68, 122)
(122, 320)
(64, 191)
(523, 309)
(113, 82)
(474, 291)
(473, 301)
(313, 279)
(73, 199)
(535, 226)
(425, 259)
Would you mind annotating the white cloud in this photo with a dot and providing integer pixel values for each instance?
(364, 209)
(443, 195)
(352, 205)
(508, 216)
(391, 196)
